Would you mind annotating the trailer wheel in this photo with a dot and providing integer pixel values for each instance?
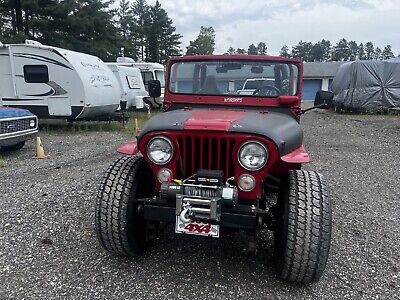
(119, 222)
(14, 147)
(303, 227)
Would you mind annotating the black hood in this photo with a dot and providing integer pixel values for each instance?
(281, 128)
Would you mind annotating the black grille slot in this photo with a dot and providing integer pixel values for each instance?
(14, 126)
(206, 152)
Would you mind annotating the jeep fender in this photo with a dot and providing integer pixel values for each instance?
(129, 148)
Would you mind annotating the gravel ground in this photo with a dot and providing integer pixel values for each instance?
(48, 249)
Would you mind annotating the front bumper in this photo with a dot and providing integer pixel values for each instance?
(10, 139)
(239, 217)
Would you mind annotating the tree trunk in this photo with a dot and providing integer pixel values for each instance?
(18, 16)
(26, 23)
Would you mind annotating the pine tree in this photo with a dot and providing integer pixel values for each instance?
(320, 51)
(369, 50)
(204, 43)
(341, 51)
(303, 50)
(140, 25)
(240, 51)
(361, 52)
(353, 47)
(284, 51)
(129, 38)
(387, 52)
(262, 48)
(231, 50)
(378, 53)
(252, 50)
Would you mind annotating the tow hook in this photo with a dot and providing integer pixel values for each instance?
(187, 209)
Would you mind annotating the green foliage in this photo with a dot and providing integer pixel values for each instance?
(92, 26)
(387, 52)
(252, 50)
(361, 52)
(204, 43)
(162, 39)
(320, 51)
(343, 51)
(303, 50)
(262, 48)
(284, 51)
(369, 50)
(231, 50)
(378, 53)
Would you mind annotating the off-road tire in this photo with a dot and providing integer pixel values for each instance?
(303, 227)
(119, 223)
(14, 147)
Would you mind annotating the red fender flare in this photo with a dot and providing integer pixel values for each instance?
(130, 148)
(299, 155)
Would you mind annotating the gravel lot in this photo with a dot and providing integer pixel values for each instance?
(48, 249)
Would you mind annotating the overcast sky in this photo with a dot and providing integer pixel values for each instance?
(238, 23)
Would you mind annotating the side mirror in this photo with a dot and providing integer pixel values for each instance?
(323, 99)
(154, 88)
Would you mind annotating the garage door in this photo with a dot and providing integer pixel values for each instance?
(310, 87)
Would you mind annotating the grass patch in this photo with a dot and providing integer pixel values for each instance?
(131, 126)
(3, 162)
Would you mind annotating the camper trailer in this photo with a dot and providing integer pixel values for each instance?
(150, 71)
(57, 83)
(131, 85)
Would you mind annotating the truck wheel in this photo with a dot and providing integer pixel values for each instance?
(14, 147)
(303, 227)
(119, 222)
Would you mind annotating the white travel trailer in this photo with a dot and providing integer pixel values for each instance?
(57, 83)
(131, 85)
(150, 71)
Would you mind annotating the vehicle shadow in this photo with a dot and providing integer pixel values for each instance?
(214, 261)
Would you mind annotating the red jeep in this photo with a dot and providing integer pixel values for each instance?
(218, 160)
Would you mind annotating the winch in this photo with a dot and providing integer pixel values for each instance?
(201, 196)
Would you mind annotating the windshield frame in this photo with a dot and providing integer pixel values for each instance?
(294, 63)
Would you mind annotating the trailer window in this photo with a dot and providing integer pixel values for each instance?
(133, 82)
(36, 74)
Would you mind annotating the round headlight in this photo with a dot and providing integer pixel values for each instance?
(32, 123)
(253, 155)
(160, 150)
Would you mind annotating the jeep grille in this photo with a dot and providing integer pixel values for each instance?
(213, 152)
(11, 126)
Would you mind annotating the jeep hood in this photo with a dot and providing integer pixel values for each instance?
(281, 128)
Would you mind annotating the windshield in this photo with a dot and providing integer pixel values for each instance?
(160, 76)
(234, 77)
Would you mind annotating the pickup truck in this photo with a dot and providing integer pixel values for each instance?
(16, 126)
(252, 84)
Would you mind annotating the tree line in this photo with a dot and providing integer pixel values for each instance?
(142, 31)
(135, 29)
(324, 51)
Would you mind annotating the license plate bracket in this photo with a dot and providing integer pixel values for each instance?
(196, 228)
